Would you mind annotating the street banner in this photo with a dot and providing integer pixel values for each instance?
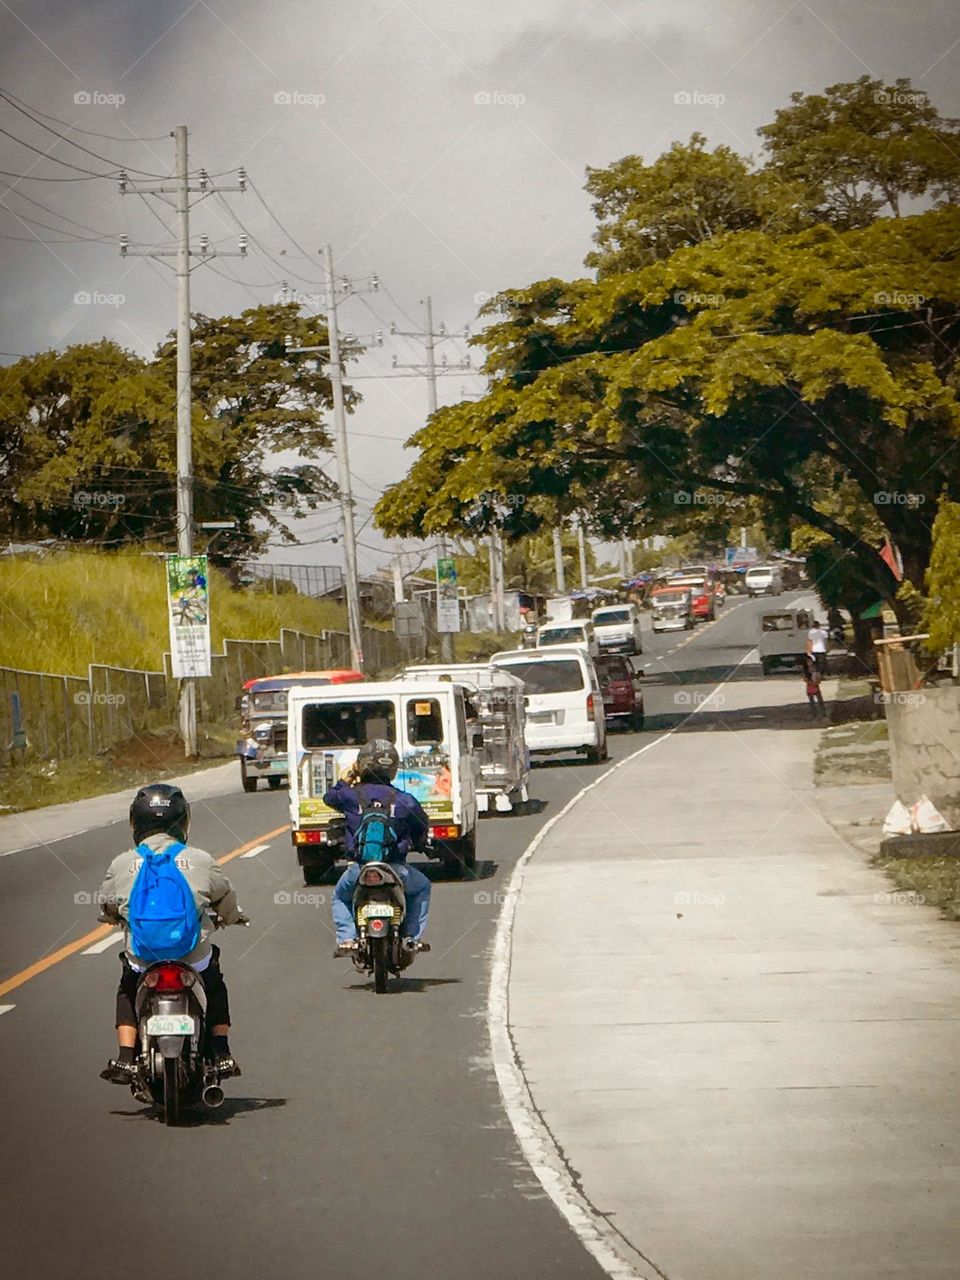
(738, 556)
(188, 603)
(448, 606)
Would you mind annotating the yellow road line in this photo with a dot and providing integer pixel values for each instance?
(55, 957)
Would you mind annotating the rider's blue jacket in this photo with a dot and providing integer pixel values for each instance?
(413, 825)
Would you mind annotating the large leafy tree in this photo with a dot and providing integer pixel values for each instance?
(88, 436)
(753, 363)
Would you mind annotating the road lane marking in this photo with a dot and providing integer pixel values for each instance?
(618, 1258)
(5, 1008)
(98, 934)
(104, 944)
(255, 851)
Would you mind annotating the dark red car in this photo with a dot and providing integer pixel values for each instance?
(620, 685)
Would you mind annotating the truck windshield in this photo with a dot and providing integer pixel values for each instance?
(669, 597)
(272, 700)
(562, 676)
(347, 724)
(610, 616)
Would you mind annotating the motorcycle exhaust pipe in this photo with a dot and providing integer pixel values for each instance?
(212, 1096)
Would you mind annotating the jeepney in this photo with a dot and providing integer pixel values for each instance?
(262, 745)
(500, 710)
(426, 721)
(783, 638)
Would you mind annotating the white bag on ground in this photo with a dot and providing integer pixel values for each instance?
(927, 817)
(898, 821)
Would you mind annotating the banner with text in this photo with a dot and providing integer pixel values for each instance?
(188, 603)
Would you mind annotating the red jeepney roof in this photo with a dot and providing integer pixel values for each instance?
(340, 675)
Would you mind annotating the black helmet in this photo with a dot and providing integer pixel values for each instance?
(158, 808)
(378, 761)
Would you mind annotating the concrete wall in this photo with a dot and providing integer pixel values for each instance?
(924, 728)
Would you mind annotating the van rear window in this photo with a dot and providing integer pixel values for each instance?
(347, 724)
(561, 635)
(562, 676)
(607, 617)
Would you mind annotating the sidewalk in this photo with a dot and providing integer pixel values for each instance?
(56, 822)
(746, 1048)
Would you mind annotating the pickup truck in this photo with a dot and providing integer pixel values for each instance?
(617, 628)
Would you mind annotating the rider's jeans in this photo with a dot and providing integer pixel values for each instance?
(416, 886)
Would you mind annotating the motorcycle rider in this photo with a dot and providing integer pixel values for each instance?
(371, 780)
(160, 817)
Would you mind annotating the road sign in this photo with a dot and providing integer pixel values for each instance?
(188, 604)
(448, 606)
(737, 556)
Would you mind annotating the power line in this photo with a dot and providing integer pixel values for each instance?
(145, 173)
(46, 155)
(62, 216)
(109, 137)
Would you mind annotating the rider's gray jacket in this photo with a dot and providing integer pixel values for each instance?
(212, 891)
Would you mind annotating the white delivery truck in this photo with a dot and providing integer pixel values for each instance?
(427, 723)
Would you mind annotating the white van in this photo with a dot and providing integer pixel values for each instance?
(617, 628)
(763, 580)
(564, 701)
(426, 722)
(576, 632)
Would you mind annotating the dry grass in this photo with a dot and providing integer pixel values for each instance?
(60, 612)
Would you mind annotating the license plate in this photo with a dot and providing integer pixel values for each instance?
(170, 1024)
(540, 717)
(378, 909)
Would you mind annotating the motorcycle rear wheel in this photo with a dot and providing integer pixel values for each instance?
(378, 954)
(171, 1095)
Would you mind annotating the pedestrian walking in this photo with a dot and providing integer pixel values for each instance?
(811, 678)
(817, 640)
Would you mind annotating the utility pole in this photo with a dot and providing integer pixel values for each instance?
(429, 338)
(334, 371)
(182, 189)
(582, 546)
(558, 561)
(497, 581)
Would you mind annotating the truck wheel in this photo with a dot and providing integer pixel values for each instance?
(249, 784)
(274, 783)
(315, 870)
(463, 856)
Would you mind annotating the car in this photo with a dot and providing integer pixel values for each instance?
(620, 684)
(575, 632)
(564, 704)
(617, 628)
(763, 580)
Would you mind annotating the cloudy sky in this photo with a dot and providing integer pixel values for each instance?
(438, 143)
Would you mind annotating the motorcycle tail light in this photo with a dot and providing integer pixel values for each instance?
(370, 875)
(170, 977)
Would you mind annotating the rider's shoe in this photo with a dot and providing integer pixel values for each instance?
(347, 948)
(415, 945)
(118, 1072)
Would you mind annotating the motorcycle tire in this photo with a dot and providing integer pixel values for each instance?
(171, 1095)
(378, 954)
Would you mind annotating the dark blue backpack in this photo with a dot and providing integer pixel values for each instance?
(162, 912)
(377, 838)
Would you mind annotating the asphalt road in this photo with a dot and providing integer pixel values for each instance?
(366, 1134)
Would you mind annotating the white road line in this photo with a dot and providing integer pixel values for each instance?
(104, 944)
(618, 1258)
(259, 848)
(5, 1008)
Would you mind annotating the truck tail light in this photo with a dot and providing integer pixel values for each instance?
(445, 833)
(309, 837)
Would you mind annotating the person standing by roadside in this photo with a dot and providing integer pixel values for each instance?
(817, 640)
(811, 678)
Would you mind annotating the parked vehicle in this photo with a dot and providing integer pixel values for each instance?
(763, 580)
(672, 608)
(617, 628)
(175, 1073)
(564, 702)
(577, 632)
(379, 907)
(783, 638)
(498, 699)
(439, 763)
(262, 745)
(622, 690)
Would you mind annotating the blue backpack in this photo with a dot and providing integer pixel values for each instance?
(162, 913)
(377, 838)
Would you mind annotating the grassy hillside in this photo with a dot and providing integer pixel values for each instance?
(60, 612)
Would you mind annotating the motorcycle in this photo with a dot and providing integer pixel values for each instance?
(528, 639)
(176, 1070)
(379, 908)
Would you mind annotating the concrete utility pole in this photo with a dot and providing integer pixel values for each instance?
(335, 373)
(582, 546)
(181, 190)
(558, 561)
(497, 581)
